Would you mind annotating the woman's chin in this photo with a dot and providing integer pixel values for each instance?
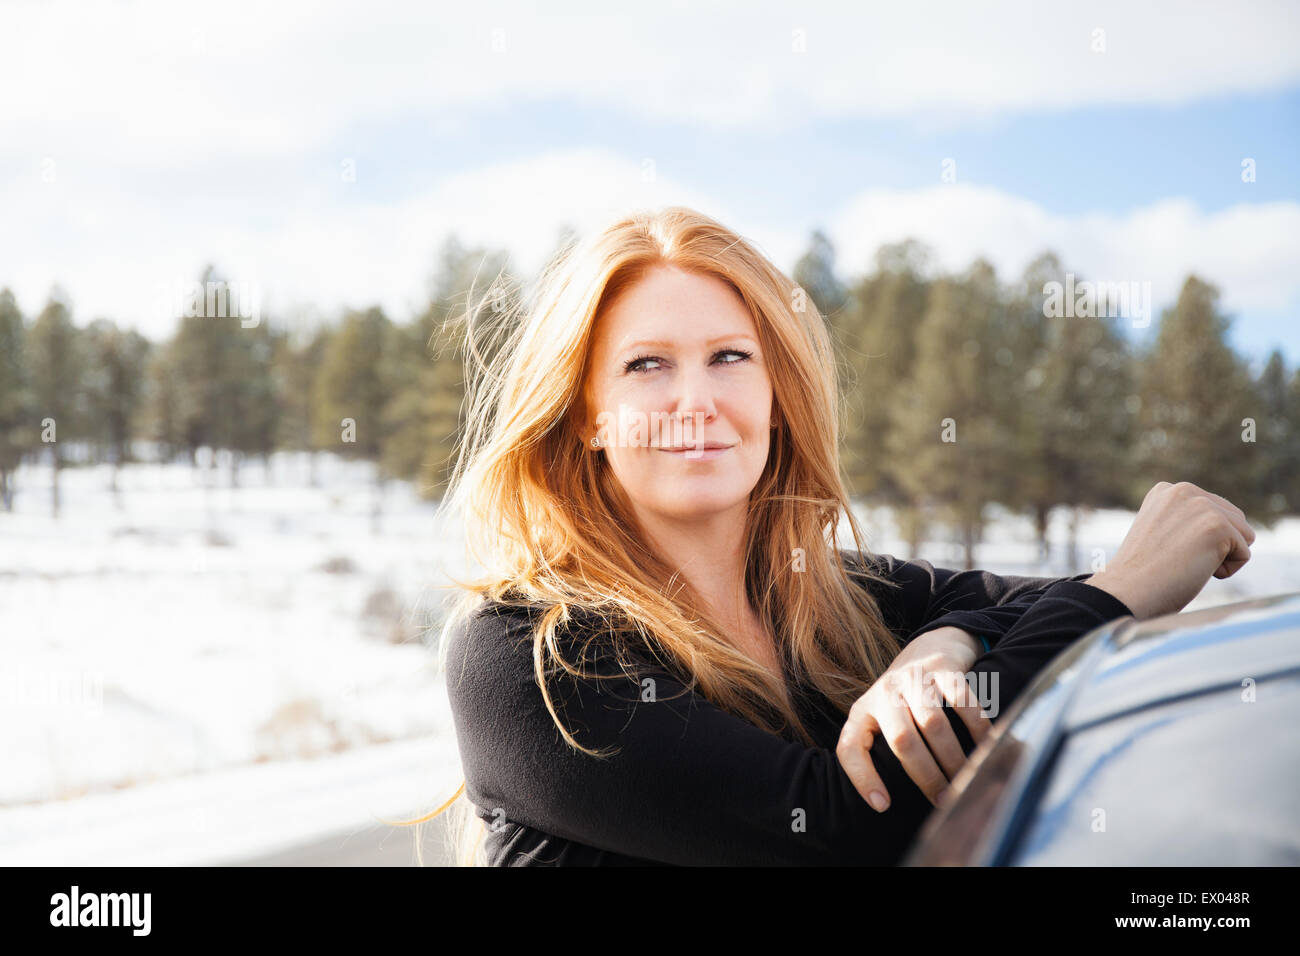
(690, 501)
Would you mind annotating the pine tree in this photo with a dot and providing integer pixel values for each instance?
(1289, 472)
(472, 286)
(1195, 393)
(299, 355)
(198, 360)
(820, 288)
(815, 274)
(1078, 396)
(352, 391)
(16, 437)
(161, 418)
(1277, 443)
(219, 374)
(423, 420)
(250, 390)
(57, 366)
(881, 321)
(947, 451)
(116, 363)
(408, 433)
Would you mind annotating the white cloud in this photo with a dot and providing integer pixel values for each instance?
(178, 134)
(116, 253)
(112, 250)
(1248, 250)
(151, 81)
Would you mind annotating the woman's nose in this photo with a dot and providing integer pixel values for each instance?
(695, 395)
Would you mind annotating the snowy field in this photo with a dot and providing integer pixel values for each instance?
(192, 673)
(198, 635)
(1009, 548)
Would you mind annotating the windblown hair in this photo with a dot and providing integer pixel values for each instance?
(550, 524)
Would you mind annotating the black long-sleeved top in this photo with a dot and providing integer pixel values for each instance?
(691, 784)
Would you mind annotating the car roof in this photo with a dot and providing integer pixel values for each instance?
(1163, 659)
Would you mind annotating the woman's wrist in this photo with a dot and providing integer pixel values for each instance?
(955, 640)
(1120, 589)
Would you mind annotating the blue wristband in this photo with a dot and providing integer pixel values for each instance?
(985, 642)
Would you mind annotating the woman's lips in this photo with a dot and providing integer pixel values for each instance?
(694, 453)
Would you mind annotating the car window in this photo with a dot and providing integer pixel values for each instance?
(1208, 780)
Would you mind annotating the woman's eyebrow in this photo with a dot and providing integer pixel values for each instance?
(661, 344)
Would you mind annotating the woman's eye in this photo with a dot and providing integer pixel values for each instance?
(743, 356)
(635, 364)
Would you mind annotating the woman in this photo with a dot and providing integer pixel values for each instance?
(669, 659)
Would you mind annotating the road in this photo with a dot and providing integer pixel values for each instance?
(379, 845)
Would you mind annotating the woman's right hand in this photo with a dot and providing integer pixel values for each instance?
(1181, 536)
(905, 707)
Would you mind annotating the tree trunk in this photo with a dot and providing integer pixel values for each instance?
(1042, 515)
(1072, 547)
(209, 486)
(54, 490)
(911, 528)
(376, 497)
(968, 544)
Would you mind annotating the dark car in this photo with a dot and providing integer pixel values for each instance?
(1167, 742)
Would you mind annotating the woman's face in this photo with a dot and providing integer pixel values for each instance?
(676, 363)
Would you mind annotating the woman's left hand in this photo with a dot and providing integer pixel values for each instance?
(906, 703)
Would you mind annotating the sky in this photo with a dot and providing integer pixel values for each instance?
(325, 152)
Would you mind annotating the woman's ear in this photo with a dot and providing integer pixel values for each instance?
(583, 425)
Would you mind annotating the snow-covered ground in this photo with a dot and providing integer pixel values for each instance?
(200, 642)
(1009, 548)
(200, 674)
(202, 628)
